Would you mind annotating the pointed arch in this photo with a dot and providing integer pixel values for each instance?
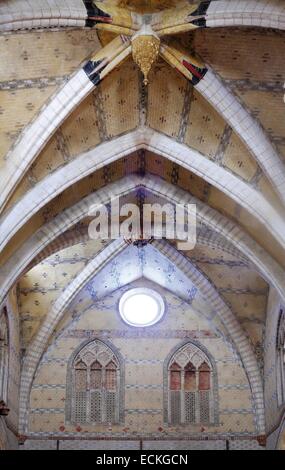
(219, 13)
(221, 98)
(251, 200)
(207, 290)
(263, 263)
(52, 115)
(188, 403)
(100, 396)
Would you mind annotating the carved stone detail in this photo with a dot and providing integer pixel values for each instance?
(145, 50)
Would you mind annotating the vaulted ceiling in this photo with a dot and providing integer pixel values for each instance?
(66, 141)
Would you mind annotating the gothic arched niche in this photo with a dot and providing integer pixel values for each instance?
(95, 385)
(190, 386)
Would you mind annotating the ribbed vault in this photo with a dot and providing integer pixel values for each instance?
(218, 223)
(78, 127)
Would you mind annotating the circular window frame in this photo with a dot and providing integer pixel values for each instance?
(146, 291)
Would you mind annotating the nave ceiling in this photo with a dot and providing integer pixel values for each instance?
(164, 140)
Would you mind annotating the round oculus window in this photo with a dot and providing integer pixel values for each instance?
(141, 307)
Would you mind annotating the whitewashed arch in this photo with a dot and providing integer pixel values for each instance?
(27, 14)
(258, 13)
(207, 290)
(72, 238)
(246, 127)
(241, 192)
(222, 13)
(264, 264)
(27, 259)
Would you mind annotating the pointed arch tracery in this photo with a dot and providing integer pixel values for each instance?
(190, 387)
(94, 385)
